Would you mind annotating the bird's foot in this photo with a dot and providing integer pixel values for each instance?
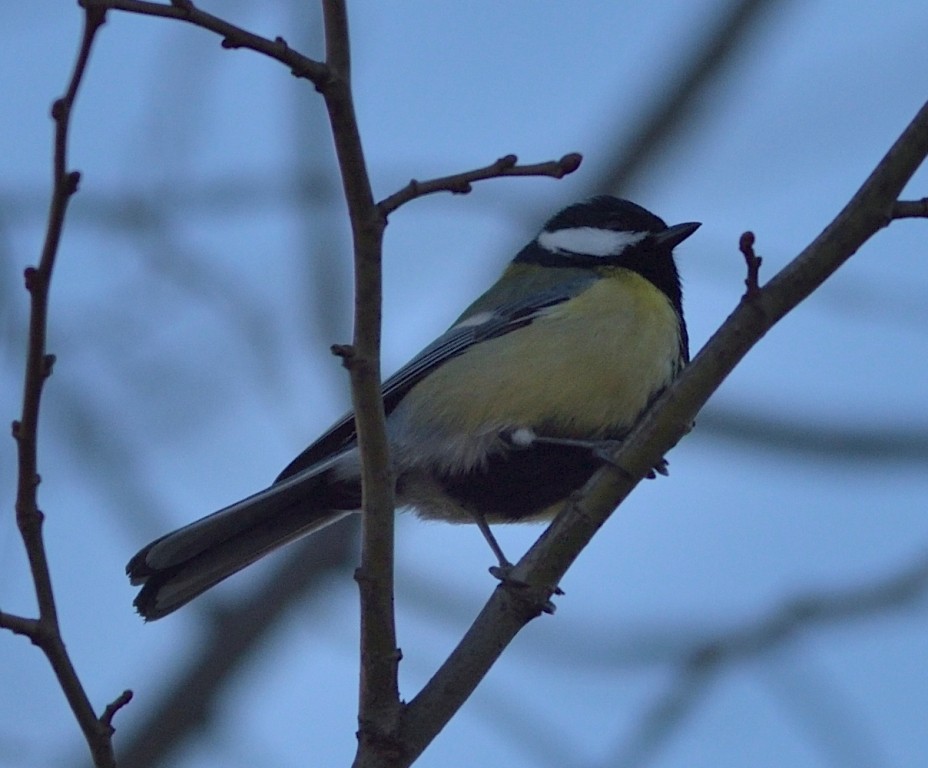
(523, 589)
(503, 570)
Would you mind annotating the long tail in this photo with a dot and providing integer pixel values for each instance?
(185, 563)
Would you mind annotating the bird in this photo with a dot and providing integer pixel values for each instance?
(500, 419)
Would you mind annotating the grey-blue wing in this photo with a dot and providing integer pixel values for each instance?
(468, 331)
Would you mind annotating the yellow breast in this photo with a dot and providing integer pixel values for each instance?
(586, 369)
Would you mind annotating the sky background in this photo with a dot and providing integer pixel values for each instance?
(205, 270)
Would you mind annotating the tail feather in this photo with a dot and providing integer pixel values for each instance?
(185, 563)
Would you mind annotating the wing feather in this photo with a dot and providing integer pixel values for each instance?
(469, 330)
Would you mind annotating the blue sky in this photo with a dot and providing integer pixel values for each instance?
(198, 291)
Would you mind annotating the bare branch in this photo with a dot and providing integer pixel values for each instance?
(461, 183)
(114, 706)
(910, 209)
(20, 625)
(232, 36)
(45, 631)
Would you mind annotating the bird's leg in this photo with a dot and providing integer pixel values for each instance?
(603, 450)
(502, 571)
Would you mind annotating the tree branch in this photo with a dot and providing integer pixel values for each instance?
(910, 209)
(461, 183)
(45, 631)
(20, 625)
(232, 36)
(114, 706)
(379, 705)
(657, 432)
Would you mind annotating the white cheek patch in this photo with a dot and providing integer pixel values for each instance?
(589, 241)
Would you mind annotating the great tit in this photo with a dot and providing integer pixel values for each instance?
(498, 420)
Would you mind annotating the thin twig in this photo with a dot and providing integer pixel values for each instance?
(232, 36)
(114, 706)
(910, 209)
(753, 261)
(20, 625)
(461, 183)
(45, 631)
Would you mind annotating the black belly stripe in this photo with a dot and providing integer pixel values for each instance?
(523, 482)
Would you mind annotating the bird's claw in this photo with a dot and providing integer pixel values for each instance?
(504, 574)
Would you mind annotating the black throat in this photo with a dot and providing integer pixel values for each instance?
(654, 265)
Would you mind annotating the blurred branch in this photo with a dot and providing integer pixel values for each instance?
(829, 717)
(189, 704)
(661, 427)
(825, 441)
(704, 662)
(461, 183)
(678, 101)
(45, 631)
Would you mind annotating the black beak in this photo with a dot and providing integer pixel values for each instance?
(672, 236)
